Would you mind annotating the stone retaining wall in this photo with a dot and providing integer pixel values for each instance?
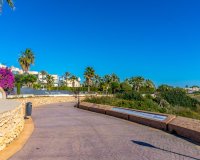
(38, 101)
(185, 127)
(11, 125)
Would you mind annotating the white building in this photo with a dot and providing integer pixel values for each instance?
(73, 84)
(2, 66)
(33, 73)
(56, 80)
(16, 70)
(42, 78)
(13, 69)
(70, 83)
(192, 89)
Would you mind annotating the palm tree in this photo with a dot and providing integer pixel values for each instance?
(50, 81)
(137, 83)
(67, 75)
(97, 80)
(89, 74)
(105, 87)
(115, 78)
(73, 79)
(150, 85)
(11, 4)
(26, 60)
(43, 73)
(107, 80)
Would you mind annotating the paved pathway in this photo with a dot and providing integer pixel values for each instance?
(63, 132)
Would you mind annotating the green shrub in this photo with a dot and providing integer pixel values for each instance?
(125, 87)
(179, 97)
(132, 95)
(185, 112)
(149, 96)
(161, 102)
(147, 105)
(37, 86)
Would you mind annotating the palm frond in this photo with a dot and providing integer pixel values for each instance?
(11, 4)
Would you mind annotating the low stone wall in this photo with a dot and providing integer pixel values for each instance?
(38, 101)
(117, 114)
(11, 121)
(185, 127)
(105, 109)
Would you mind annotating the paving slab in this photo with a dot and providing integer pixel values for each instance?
(63, 132)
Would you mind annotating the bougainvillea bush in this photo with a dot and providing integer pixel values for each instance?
(7, 79)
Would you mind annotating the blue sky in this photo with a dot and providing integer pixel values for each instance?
(158, 39)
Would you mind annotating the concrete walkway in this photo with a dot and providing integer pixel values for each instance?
(63, 132)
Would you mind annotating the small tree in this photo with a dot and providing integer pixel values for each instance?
(125, 87)
(115, 86)
(164, 87)
(19, 82)
(50, 81)
(89, 74)
(7, 79)
(29, 80)
(107, 80)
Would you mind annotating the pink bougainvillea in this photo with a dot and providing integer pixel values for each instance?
(7, 79)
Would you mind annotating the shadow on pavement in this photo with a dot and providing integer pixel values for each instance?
(154, 147)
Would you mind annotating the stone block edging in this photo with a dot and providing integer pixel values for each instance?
(162, 125)
(117, 114)
(185, 127)
(105, 109)
(97, 110)
(172, 123)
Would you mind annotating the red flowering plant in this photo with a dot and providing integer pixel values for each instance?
(7, 79)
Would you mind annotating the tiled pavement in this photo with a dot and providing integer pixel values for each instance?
(63, 132)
